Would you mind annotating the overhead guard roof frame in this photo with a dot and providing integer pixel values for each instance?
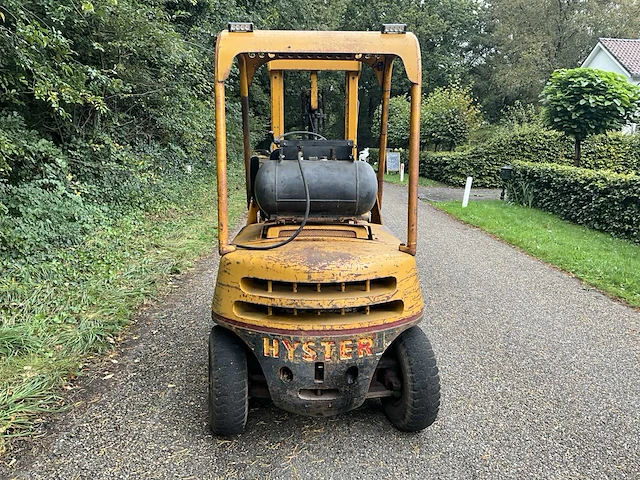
(283, 42)
(377, 50)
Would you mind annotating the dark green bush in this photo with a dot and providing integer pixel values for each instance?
(453, 168)
(449, 115)
(38, 216)
(374, 156)
(530, 143)
(614, 151)
(602, 200)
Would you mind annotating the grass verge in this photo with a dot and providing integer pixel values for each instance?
(422, 181)
(56, 312)
(610, 264)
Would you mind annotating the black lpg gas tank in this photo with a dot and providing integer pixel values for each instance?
(336, 187)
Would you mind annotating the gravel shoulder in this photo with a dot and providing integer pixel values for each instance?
(446, 194)
(540, 380)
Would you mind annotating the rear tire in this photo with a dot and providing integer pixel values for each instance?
(228, 383)
(419, 402)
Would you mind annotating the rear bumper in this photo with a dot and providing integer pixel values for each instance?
(318, 375)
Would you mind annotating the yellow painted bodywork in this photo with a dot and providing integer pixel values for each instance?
(341, 266)
(309, 50)
(335, 278)
(266, 45)
(312, 65)
(277, 102)
(314, 90)
(351, 109)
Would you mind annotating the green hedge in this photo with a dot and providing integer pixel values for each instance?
(530, 143)
(617, 152)
(453, 168)
(614, 151)
(602, 200)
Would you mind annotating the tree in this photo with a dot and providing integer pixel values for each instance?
(448, 116)
(529, 39)
(451, 35)
(398, 124)
(587, 101)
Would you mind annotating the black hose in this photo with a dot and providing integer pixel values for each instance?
(297, 232)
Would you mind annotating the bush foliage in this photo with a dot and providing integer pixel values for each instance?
(448, 116)
(102, 104)
(454, 168)
(613, 151)
(602, 200)
(398, 124)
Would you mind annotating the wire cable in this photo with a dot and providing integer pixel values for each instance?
(297, 232)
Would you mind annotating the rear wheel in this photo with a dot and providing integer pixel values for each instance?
(417, 406)
(228, 383)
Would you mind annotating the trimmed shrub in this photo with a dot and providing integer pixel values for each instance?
(398, 124)
(531, 143)
(602, 200)
(449, 114)
(614, 151)
(374, 156)
(453, 168)
(586, 101)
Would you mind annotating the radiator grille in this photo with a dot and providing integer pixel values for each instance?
(361, 232)
(319, 233)
(254, 310)
(261, 287)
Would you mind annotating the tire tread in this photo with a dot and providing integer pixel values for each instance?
(418, 406)
(228, 383)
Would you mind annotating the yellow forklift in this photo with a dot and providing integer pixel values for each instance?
(316, 302)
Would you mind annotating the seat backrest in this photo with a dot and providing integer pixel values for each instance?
(329, 149)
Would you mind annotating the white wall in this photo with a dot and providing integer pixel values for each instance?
(603, 61)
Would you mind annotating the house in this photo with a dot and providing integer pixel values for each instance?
(619, 55)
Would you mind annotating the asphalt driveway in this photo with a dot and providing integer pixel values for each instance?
(540, 379)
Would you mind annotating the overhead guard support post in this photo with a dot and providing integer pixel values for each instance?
(382, 154)
(221, 167)
(414, 157)
(351, 108)
(314, 90)
(246, 134)
(277, 102)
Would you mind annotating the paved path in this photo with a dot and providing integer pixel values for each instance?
(540, 377)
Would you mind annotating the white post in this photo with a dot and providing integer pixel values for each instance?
(401, 172)
(467, 192)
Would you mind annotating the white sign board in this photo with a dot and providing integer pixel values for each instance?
(393, 162)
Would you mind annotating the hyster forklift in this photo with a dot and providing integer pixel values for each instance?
(316, 302)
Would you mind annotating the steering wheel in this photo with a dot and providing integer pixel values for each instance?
(298, 132)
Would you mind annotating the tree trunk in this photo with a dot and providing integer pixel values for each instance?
(576, 161)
